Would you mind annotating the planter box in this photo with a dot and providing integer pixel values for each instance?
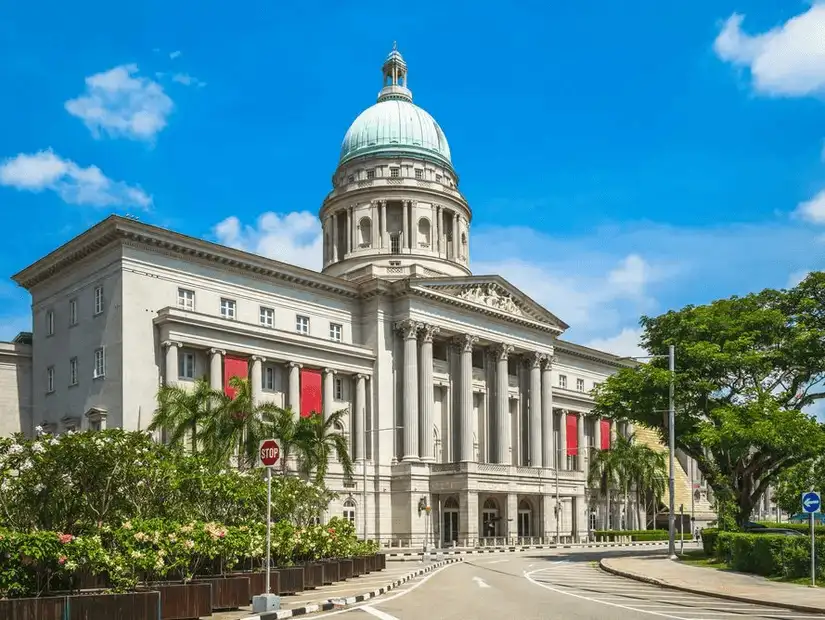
(257, 582)
(228, 592)
(183, 601)
(346, 569)
(291, 580)
(47, 608)
(381, 559)
(359, 567)
(332, 572)
(313, 575)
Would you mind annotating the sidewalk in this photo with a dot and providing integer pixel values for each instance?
(730, 585)
(450, 551)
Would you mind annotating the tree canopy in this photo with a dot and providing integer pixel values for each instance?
(745, 369)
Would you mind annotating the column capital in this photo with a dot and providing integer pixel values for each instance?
(409, 329)
(465, 342)
(214, 351)
(413, 203)
(258, 358)
(382, 203)
(330, 371)
(549, 361)
(535, 359)
(294, 365)
(360, 376)
(428, 331)
(171, 343)
(502, 350)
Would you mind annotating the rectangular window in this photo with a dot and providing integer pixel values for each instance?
(228, 308)
(267, 317)
(351, 178)
(98, 300)
(302, 324)
(186, 366)
(580, 385)
(50, 323)
(339, 388)
(395, 173)
(336, 332)
(95, 425)
(73, 371)
(268, 378)
(419, 174)
(100, 363)
(438, 178)
(50, 379)
(72, 312)
(370, 174)
(395, 243)
(563, 381)
(186, 299)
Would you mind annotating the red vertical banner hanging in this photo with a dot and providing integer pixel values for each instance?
(605, 430)
(310, 392)
(572, 435)
(233, 367)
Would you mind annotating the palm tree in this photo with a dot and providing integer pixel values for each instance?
(603, 475)
(649, 471)
(238, 426)
(320, 438)
(292, 433)
(181, 411)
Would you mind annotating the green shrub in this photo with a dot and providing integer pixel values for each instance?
(636, 535)
(770, 555)
(709, 539)
(819, 530)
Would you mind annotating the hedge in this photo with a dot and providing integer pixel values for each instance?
(636, 535)
(769, 555)
(819, 530)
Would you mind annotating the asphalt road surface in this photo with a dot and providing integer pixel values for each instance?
(531, 586)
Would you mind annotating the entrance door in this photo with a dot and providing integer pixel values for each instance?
(523, 523)
(450, 521)
(489, 519)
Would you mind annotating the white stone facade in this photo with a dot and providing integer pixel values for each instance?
(458, 387)
(16, 386)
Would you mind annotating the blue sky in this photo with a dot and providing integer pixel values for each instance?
(620, 158)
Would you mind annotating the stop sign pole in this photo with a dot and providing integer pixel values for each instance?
(269, 453)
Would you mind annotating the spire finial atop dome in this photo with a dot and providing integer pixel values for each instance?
(395, 77)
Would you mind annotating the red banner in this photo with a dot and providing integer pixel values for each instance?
(310, 392)
(605, 428)
(572, 435)
(233, 367)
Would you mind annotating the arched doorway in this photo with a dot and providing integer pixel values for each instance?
(490, 518)
(525, 519)
(450, 521)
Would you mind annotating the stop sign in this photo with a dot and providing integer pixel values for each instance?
(270, 452)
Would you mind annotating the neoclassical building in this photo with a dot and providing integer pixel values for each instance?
(469, 415)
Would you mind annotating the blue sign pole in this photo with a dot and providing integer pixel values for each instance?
(811, 503)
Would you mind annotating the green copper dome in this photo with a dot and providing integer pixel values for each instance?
(395, 126)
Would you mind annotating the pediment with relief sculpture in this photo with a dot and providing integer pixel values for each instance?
(493, 293)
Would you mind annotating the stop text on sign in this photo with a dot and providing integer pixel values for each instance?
(269, 452)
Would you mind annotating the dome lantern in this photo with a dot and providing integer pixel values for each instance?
(395, 78)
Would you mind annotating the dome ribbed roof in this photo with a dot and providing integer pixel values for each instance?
(395, 127)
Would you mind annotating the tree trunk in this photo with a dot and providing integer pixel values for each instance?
(626, 511)
(639, 510)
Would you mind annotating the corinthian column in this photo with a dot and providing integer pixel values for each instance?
(426, 393)
(535, 361)
(328, 393)
(548, 450)
(405, 228)
(502, 419)
(561, 449)
(409, 332)
(465, 346)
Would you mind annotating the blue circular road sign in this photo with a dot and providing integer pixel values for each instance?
(811, 502)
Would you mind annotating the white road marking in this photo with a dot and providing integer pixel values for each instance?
(481, 583)
(378, 613)
(389, 598)
(497, 562)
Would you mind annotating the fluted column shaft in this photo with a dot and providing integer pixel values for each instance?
(597, 434)
(502, 411)
(171, 370)
(465, 344)
(360, 418)
(581, 461)
(409, 333)
(535, 409)
(329, 392)
(405, 227)
(385, 235)
(216, 369)
(426, 404)
(561, 452)
(295, 386)
(548, 449)
(255, 378)
(456, 241)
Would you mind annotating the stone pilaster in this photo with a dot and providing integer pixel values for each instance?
(216, 368)
(294, 393)
(548, 447)
(360, 417)
(465, 346)
(409, 333)
(255, 378)
(171, 369)
(561, 452)
(328, 392)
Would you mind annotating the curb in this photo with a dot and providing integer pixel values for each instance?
(729, 597)
(413, 555)
(338, 603)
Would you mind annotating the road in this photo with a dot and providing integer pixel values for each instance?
(534, 586)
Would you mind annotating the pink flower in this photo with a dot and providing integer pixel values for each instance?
(61, 560)
(66, 538)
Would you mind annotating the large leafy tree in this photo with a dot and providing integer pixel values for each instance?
(745, 369)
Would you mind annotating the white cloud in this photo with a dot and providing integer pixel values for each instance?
(187, 80)
(293, 238)
(175, 54)
(813, 210)
(796, 277)
(625, 343)
(121, 104)
(786, 60)
(11, 325)
(74, 184)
